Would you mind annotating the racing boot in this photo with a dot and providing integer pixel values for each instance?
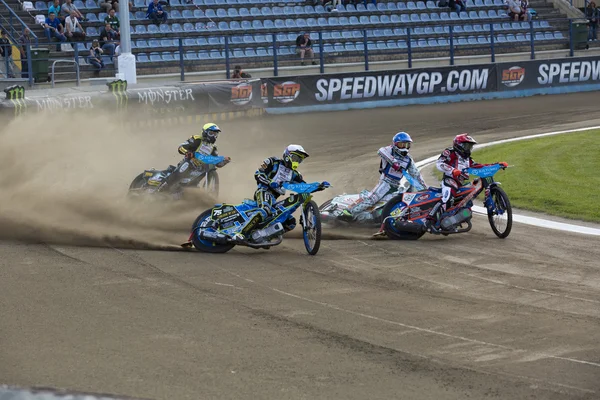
(248, 228)
(346, 216)
(432, 217)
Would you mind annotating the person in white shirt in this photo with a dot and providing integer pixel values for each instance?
(73, 27)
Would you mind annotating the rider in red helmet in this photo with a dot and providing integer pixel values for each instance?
(451, 162)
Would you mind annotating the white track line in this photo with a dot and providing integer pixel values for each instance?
(539, 222)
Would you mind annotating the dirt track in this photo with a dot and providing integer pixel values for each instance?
(459, 317)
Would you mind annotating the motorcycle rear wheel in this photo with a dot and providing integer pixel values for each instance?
(206, 245)
(501, 202)
(389, 228)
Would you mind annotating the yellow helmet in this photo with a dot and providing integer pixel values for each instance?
(210, 132)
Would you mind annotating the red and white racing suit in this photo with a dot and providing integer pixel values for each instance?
(451, 164)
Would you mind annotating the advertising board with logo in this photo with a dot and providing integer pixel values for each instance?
(538, 74)
(381, 85)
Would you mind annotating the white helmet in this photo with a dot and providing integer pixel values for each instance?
(293, 156)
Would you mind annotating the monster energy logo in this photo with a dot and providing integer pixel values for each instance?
(119, 89)
(16, 95)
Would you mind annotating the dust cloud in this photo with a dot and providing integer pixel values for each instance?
(64, 178)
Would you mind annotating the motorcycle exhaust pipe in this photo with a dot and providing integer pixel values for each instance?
(218, 238)
(408, 226)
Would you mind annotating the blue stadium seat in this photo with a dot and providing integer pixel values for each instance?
(464, 16)
(444, 16)
(349, 8)
(434, 17)
(290, 23)
(153, 43)
(268, 24)
(424, 17)
(482, 40)
(401, 5)
(391, 44)
(443, 42)
(414, 18)
(344, 21)
(357, 34)
(338, 47)
(152, 28)
(244, 12)
(210, 13)
(277, 11)
(431, 5)
(176, 28)
(187, 14)
(336, 35)
(454, 16)
(210, 2)
(237, 53)
(478, 28)
(353, 21)
(364, 20)
(466, 28)
(507, 26)
(142, 58)
(418, 30)
(411, 5)
(431, 42)
(223, 26)
(232, 12)
(257, 24)
(101, 16)
(279, 24)
(91, 31)
(220, 2)
(299, 10)
(91, 17)
(175, 3)
(328, 48)
(385, 19)
(90, 4)
(478, 3)
(461, 41)
(190, 55)
(248, 39)
(472, 40)
(141, 44)
(320, 9)
(236, 40)
(511, 38)
(492, 14)
(213, 41)
(421, 5)
(483, 14)
(165, 28)
(255, 12)
(558, 35)
(189, 42)
(391, 6)
(78, 3)
(155, 56)
(202, 41)
(360, 7)
(288, 10)
(221, 13)
(203, 55)
(349, 46)
(473, 15)
(216, 54)
(187, 27)
(168, 43)
(539, 36)
(250, 52)
(167, 56)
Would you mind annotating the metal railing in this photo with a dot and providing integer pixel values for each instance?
(66, 61)
(9, 18)
(450, 44)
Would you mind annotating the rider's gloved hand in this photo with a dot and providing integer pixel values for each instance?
(396, 166)
(274, 185)
(189, 155)
(456, 173)
(504, 164)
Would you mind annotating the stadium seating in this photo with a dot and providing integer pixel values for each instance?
(207, 29)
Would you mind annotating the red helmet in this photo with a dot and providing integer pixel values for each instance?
(463, 144)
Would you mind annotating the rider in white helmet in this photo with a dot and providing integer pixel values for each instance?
(395, 160)
(270, 177)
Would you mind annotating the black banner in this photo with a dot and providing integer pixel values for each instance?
(380, 85)
(536, 74)
(173, 101)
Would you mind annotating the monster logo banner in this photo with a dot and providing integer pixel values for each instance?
(119, 89)
(16, 95)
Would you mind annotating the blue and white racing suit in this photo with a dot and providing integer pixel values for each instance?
(389, 180)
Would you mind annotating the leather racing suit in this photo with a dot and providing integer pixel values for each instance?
(451, 163)
(194, 144)
(389, 180)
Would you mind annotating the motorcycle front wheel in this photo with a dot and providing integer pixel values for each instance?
(311, 227)
(500, 216)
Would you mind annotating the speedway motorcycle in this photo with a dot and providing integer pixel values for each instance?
(203, 176)
(404, 216)
(332, 209)
(214, 230)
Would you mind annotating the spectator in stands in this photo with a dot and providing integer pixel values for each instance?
(110, 5)
(591, 13)
(95, 57)
(24, 42)
(68, 7)
(53, 28)
(457, 5)
(6, 53)
(239, 74)
(515, 11)
(56, 9)
(114, 22)
(304, 46)
(74, 30)
(107, 40)
(156, 13)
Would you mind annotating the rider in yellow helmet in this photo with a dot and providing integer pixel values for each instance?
(203, 143)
